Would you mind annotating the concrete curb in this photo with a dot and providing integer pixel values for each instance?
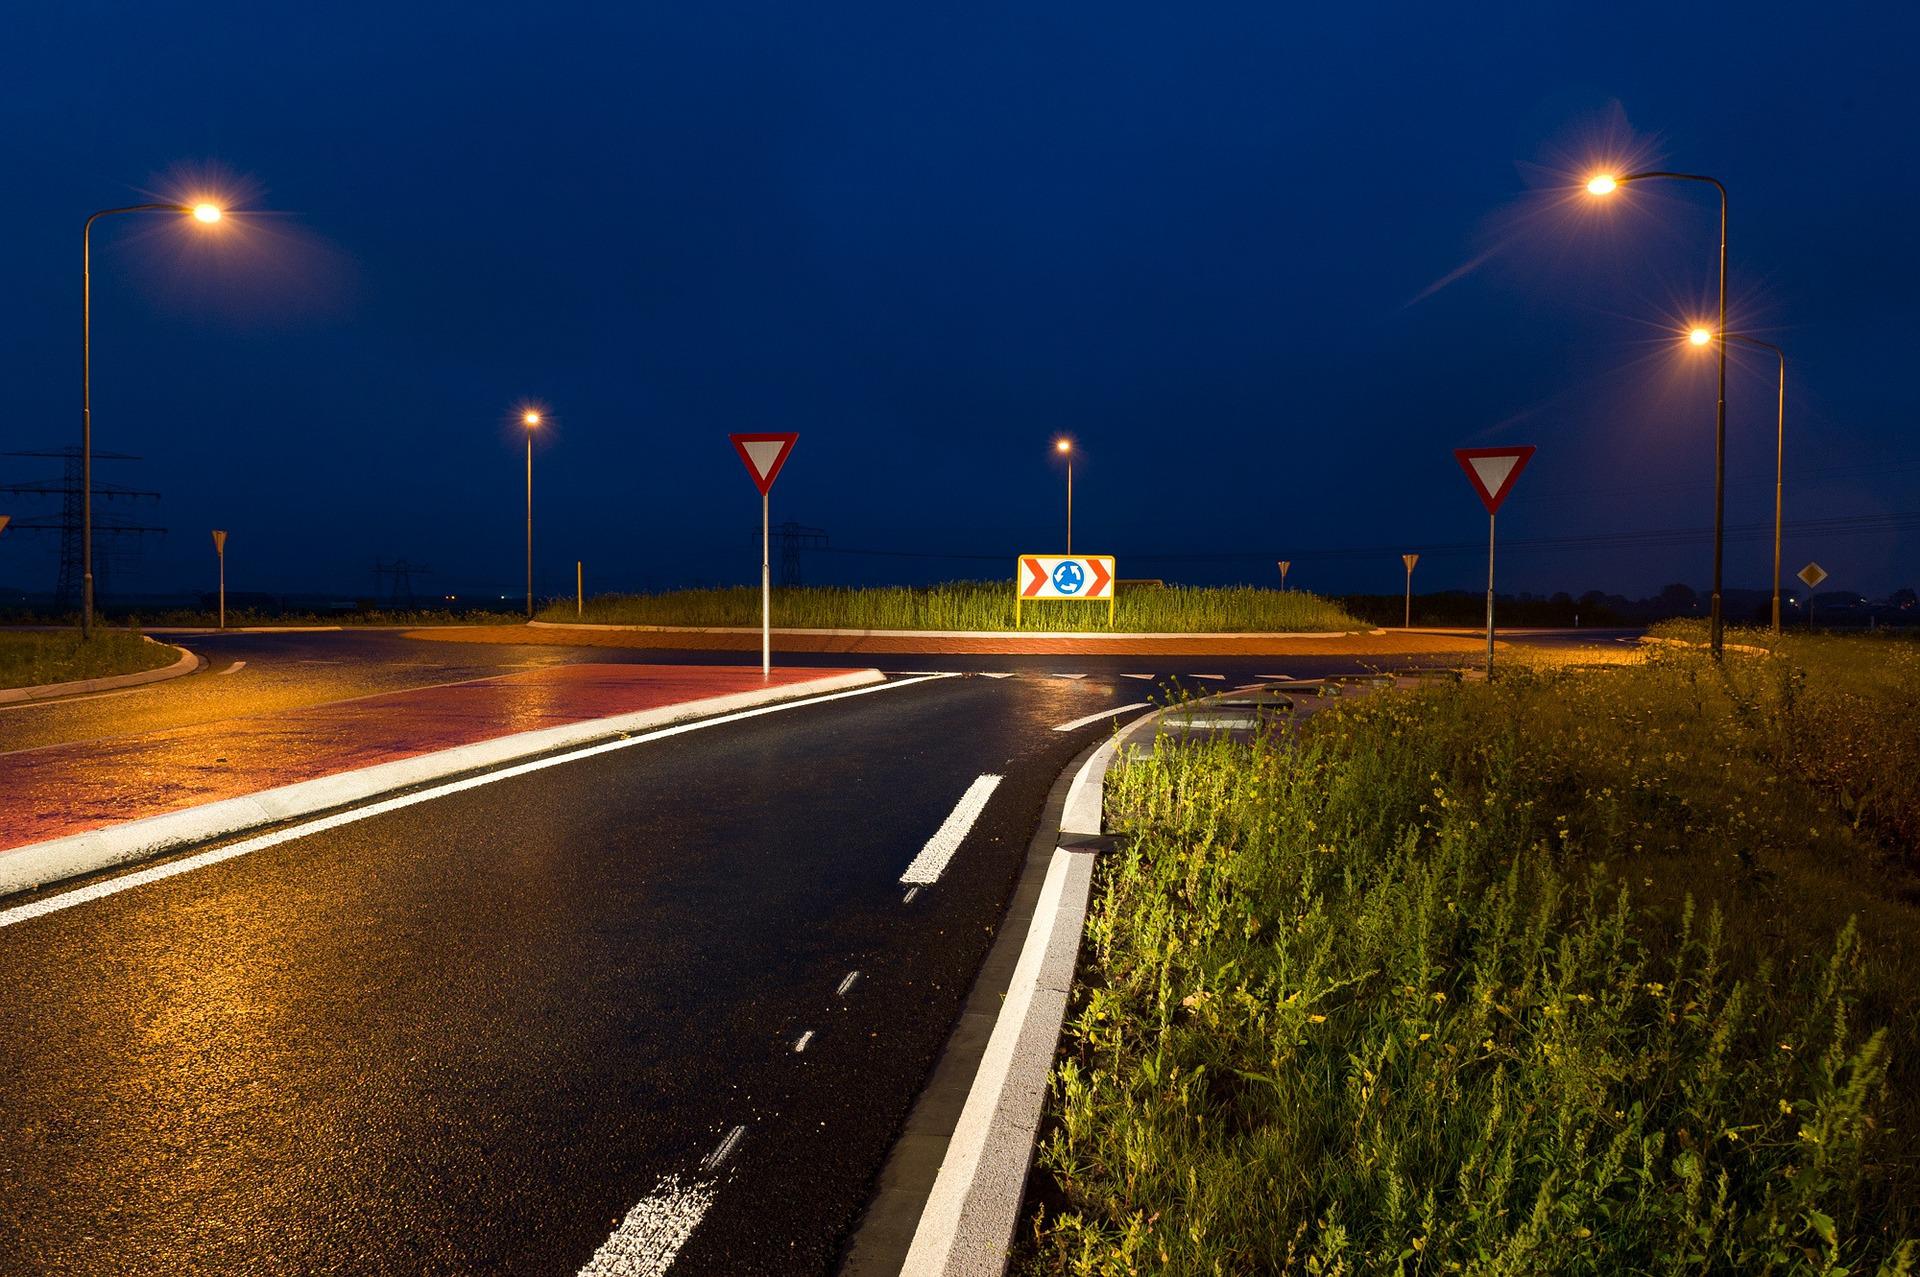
(973, 1207)
(1747, 649)
(1104, 635)
(38, 864)
(187, 664)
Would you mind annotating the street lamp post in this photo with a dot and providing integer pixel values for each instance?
(1700, 337)
(1065, 448)
(530, 419)
(204, 213)
(1606, 184)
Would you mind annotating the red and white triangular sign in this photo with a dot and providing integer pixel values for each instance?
(763, 455)
(1492, 471)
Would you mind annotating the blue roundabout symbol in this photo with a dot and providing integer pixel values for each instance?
(1069, 577)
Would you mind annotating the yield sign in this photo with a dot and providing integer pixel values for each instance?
(1492, 471)
(1812, 574)
(1409, 560)
(763, 455)
(5, 519)
(219, 541)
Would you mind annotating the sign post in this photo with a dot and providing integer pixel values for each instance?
(5, 519)
(1491, 471)
(579, 590)
(220, 549)
(1284, 565)
(1409, 560)
(1086, 577)
(763, 455)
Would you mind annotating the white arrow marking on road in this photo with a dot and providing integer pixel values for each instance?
(1105, 713)
(932, 860)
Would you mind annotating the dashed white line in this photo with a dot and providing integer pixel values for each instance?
(801, 1044)
(200, 860)
(712, 1161)
(932, 860)
(1218, 678)
(1051, 674)
(1136, 676)
(1283, 678)
(996, 673)
(846, 984)
(1105, 713)
(911, 893)
(650, 1237)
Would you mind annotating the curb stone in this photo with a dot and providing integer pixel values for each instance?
(187, 664)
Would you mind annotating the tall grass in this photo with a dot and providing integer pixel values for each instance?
(1544, 976)
(973, 605)
(29, 658)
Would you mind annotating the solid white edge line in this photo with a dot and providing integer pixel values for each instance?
(801, 1044)
(186, 864)
(926, 868)
(650, 1235)
(1105, 713)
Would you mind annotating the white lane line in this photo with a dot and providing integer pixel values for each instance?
(801, 1045)
(712, 1161)
(1136, 676)
(911, 893)
(237, 665)
(187, 864)
(996, 673)
(1105, 713)
(932, 860)
(650, 1237)
(1283, 678)
(846, 984)
(1218, 678)
(1053, 675)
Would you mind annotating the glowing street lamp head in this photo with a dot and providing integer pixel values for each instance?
(1063, 445)
(1602, 184)
(1699, 336)
(208, 213)
(530, 418)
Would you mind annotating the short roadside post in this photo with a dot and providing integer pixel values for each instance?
(1492, 472)
(220, 552)
(1812, 575)
(1409, 560)
(1284, 565)
(763, 455)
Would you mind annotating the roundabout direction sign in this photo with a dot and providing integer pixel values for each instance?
(1085, 577)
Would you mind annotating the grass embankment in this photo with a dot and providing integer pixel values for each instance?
(30, 659)
(974, 605)
(1584, 971)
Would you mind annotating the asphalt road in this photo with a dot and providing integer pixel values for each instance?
(606, 1003)
(471, 1034)
(267, 673)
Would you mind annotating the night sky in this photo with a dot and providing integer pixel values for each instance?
(1268, 264)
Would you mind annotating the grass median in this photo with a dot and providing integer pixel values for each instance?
(976, 606)
(1583, 971)
(31, 658)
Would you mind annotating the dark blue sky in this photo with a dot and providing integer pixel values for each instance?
(1203, 240)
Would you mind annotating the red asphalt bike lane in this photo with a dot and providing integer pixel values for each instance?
(58, 790)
